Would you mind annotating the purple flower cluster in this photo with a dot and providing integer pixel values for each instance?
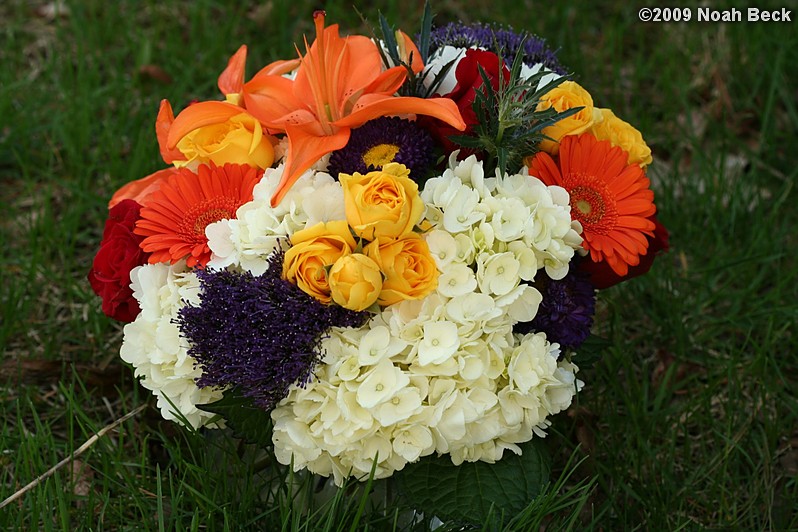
(413, 144)
(259, 334)
(489, 36)
(566, 313)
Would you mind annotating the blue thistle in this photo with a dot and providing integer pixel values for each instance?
(260, 334)
(566, 313)
(535, 49)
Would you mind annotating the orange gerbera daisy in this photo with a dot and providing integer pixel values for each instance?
(611, 199)
(174, 218)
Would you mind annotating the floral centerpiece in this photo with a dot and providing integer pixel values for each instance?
(385, 249)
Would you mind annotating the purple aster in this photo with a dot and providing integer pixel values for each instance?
(488, 36)
(566, 313)
(259, 334)
(382, 141)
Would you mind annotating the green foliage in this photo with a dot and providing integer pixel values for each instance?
(247, 421)
(474, 492)
(687, 421)
(509, 123)
(416, 83)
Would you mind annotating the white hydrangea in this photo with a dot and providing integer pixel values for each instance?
(445, 374)
(514, 212)
(259, 229)
(153, 345)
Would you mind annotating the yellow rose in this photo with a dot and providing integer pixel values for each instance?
(238, 140)
(567, 95)
(623, 135)
(355, 282)
(384, 203)
(408, 267)
(312, 252)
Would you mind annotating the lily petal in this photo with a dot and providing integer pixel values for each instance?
(388, 82)
(306, 145)
(231, 79)
(371, 106)
(163, 123)
(279, 67)
(270, 98)
(407, 48)
(199, 115)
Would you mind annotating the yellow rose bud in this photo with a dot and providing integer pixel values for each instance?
(239, 140)
(409, 269)
(355, 282)
(384, 203)
(623, 135)
(567, 95)
(313, 250)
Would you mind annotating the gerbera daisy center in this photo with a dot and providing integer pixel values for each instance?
(210, 216)
(588, 204)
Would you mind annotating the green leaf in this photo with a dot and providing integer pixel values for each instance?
(473, 491)
(591, 351)
(247, 421)
(426, 30)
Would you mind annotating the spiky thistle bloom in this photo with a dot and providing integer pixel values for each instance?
(382, 141)
(535, 50)
(566, 313)
(258, 334)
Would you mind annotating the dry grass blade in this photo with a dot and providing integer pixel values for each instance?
(80, 450)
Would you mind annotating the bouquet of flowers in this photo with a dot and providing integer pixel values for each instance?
(382, 250)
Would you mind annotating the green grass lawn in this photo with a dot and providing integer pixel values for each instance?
(690, 419)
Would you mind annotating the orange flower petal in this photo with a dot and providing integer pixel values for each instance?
(610, 198)
(199, 115)
(162, 125)
(371, 106)
(271, 100)
(279, 67)
(231, 80)
(305, 147)
(173, 221)
(388, 82)
(139, 189)
(410, 51)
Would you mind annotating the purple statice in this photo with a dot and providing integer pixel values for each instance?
(566, 313)
(258, 334)
(490, 36)
(381, 141)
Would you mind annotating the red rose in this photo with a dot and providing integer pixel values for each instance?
(464, 93)
(602, 276)
(119, 253)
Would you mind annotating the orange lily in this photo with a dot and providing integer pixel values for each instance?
(339, 86)
(170, 130)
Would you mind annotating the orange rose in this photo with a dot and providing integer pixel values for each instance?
(384, 203)
(623, 135)
(313, 251)
(239, 140)
(410, 271)
(355, 281)
(564, 96)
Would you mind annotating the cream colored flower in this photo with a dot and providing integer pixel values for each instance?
(497, 274)
(440, 342)
(381, 383)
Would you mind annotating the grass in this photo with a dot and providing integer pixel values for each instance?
(689, 421)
